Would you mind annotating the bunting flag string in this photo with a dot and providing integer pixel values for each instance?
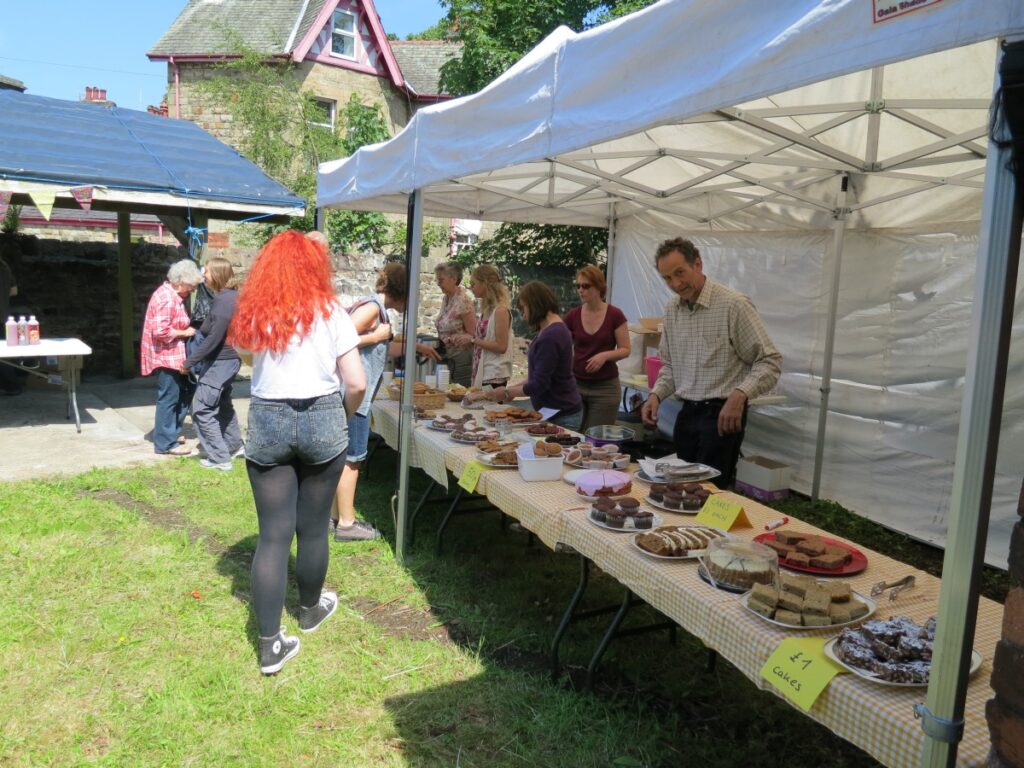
(83, 196)
(43, 200)
(5, 201)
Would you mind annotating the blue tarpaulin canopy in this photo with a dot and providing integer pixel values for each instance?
(136, 161)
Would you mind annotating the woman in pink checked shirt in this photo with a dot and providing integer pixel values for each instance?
(163, 350)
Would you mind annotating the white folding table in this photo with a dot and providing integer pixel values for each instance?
(67, 354)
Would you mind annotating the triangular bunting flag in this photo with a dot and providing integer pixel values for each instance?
(83, 196)
(43, 200)
(5, 200)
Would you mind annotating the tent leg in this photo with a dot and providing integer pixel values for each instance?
(976, 448)
(613, 224)
(414, 228)
(838, 230)
(124, 292)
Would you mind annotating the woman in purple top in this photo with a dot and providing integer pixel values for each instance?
(600, 338)
(549, 380)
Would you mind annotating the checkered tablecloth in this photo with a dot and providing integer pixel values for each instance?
(878, 719)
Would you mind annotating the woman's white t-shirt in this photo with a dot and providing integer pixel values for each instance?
(308, 367)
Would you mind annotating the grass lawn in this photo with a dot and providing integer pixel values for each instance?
(129, 642)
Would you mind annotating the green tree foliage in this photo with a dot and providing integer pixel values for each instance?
(495, 34)
(442, 30)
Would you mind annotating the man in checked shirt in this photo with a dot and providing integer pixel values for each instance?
(716, 356)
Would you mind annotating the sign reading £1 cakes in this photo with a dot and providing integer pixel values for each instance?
(719, 512)
(799, 670)
(471, 475)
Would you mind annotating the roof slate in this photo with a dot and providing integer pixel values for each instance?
(421, 61)
(216, 26)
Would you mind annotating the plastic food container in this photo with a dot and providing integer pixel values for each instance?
(653, 369)
(609, 434)
(532, 468)
(737, 565)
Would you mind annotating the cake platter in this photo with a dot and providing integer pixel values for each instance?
(692, 554)
(574, 474)
(699, 477)
(487, 459)
(858, 562)
(470, 441)
(679, 511)
(703, 573)
(656, 521)
(976, 659)
(871, 605)
(446, 428)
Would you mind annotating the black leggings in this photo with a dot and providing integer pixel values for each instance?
(292, 499)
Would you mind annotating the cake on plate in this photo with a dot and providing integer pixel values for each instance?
(741, 564)
(606, 482)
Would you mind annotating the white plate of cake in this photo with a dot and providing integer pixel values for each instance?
(895, 651)
(677, 542)
(800, 602)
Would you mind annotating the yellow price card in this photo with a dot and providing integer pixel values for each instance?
(800, 670)
(719, 512)
(471, 475)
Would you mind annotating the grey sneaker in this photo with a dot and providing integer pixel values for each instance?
(238, 452)
(275, 651)
(223, 467)
(312, 617)
(359, 531)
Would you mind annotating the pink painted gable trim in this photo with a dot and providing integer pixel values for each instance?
(383, 45)
(300, 51)
(337, 61)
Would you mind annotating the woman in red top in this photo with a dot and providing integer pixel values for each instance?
(600, 338)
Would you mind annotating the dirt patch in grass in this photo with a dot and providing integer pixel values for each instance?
(163, 517)
(400, 620)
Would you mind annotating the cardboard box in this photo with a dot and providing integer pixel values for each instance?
(762, 478)
(650, 341)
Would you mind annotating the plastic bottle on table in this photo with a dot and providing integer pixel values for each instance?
(443, 377)
(22, 331)
(33, 330)
(11, 330)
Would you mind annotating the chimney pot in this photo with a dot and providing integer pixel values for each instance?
(103, 94)
(88, 93)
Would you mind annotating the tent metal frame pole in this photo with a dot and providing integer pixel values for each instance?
(976, 450)
(414, 224)
(613, 225)
(838, 232)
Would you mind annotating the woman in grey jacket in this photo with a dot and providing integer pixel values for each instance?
(216, 362)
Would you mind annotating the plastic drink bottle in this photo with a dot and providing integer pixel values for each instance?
(11, 329)
(33, 330)
(443, 377)
(22, 331)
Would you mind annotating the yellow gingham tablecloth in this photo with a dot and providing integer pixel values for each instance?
(879, 719)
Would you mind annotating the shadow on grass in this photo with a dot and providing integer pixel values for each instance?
(500, 595)
(235, 562)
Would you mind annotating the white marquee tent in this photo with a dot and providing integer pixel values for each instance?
(830, 158)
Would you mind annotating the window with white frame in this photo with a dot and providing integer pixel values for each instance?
(463, 240)
(323, 113)
(343, 34)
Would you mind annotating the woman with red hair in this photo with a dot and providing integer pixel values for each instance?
(305, 354)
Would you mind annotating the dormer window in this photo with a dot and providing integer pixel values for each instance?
(343, 34)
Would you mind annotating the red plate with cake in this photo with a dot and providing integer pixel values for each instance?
(849, 559)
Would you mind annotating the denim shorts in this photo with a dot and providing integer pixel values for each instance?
(310, 431)
(358, 437)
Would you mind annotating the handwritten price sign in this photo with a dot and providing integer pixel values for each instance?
(719, 512)
(471, 475)
(800, 670)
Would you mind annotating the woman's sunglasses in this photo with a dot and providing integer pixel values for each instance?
(583, 286)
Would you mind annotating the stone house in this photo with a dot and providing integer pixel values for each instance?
(338, 48)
